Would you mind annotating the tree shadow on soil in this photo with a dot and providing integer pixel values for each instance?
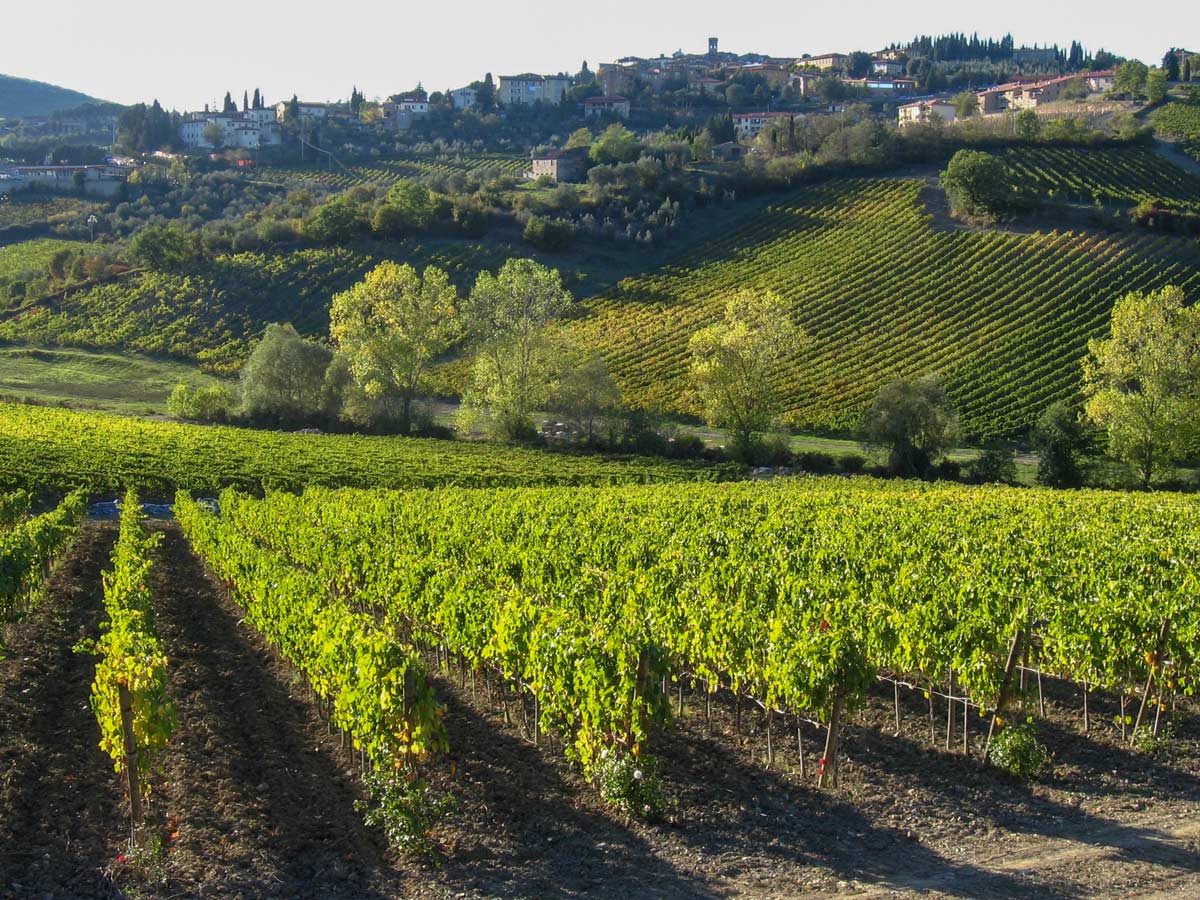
(770, 820)
(60, 810)
(525, 832)
(262, 803)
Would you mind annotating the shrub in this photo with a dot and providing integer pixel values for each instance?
(816, 462)
(853, 464)
(996, 465)
(631, 784)
(406, 807)
(1017, 751)
(549, 234)
(206, 404)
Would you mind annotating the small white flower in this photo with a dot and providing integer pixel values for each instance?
(637, 774)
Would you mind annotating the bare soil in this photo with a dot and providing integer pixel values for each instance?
(61, 819)
(259, 794)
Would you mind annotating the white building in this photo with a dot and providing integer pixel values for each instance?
(749, 125)
(238, 131)
(464, 97)
(887, 67)
(521, 90)
(925, 112)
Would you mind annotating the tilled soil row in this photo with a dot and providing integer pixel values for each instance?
(257, 791)
(61, 809)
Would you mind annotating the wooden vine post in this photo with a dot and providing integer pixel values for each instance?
(828, 769)
(125, 702)
(1013, 656)
(1163, 633)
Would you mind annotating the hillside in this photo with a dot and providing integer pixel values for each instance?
(883, 282)
(21, 97)
(1004, 317)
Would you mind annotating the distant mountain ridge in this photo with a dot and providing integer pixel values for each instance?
(20, 97)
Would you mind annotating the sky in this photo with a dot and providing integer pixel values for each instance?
(186, 55)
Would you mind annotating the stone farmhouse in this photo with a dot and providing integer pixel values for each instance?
(310, 113)
(596, 107)
(824, 62)
(561, 165)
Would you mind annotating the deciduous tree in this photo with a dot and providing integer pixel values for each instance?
(914, 421)
(517, 360)
(1142, 383)
(391, 326)
(283, 378)
(735, 366)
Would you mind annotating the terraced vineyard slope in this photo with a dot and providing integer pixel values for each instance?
(1118, 175)
(884, 292)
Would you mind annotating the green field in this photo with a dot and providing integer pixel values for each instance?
(54, 450)
(1004, 317)
(114, 381)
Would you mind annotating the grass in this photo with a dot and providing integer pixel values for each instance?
(119, 382)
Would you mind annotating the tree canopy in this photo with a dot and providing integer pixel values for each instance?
(391, 326)
(1142, 383)
(284, 376)
(914, 421)
(517, 360)
(735, 362)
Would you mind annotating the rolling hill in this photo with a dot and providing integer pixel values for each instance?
(20, 97)
(884, 285)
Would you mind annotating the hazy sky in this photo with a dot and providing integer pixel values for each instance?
(319, 50)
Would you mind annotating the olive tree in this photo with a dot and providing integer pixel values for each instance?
(914, 421)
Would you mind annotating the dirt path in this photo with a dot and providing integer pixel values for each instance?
(255, 784)
(61, 813)
(1170, 150)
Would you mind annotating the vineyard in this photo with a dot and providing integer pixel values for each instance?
(29, 546)
(342, 687)
(45, 449)
(1004, 317)
(1182, 121)
(796, 598)
(1123, 175)
(41, 209)
(214, 315)
(388, 172)
(30, 257)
